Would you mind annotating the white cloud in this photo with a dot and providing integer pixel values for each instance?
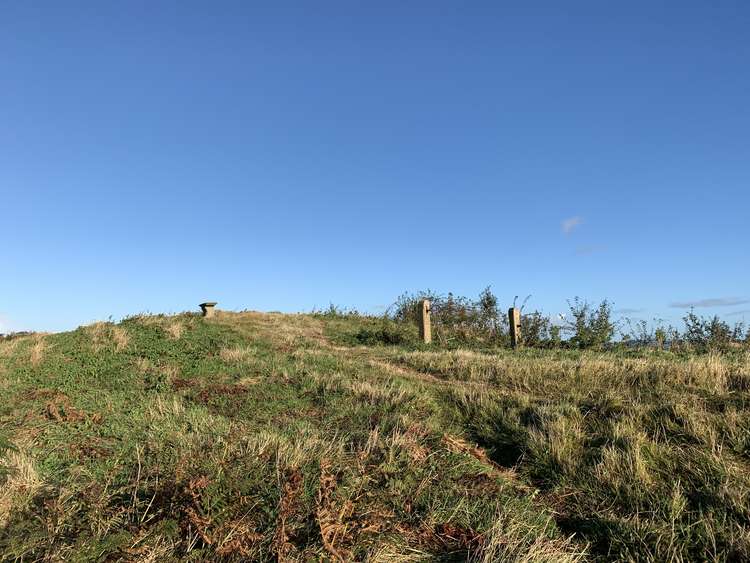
(570, 224)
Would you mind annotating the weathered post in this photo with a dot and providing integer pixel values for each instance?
(514, 317)
(425, 329)
(208, 308)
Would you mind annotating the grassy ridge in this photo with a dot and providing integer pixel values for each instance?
(273, 437)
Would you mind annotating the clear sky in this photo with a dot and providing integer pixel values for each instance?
(284, 155)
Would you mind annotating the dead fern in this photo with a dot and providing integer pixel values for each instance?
(289, 499)
(332, 530)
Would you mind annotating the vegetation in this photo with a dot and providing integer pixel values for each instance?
(460, 322)
(337, 436)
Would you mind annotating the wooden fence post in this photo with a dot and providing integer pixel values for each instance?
(514, 317)
(425, 329)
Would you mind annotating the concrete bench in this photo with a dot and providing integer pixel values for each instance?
(208, 308)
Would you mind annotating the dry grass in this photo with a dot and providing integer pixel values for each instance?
(329, 517)
(237, 355)
(162, 407)
(104, 335)
(624, 468)
(36, 354)
(22, 484)
(175, 329)
(399, 554)
(169, 370)
(97, 333)
(8, 348)
(286, 332)
(390, 394)
(510, 541)
(410, 439)
(291, 452)
(144, 365)
(120, 338)
(525, 372)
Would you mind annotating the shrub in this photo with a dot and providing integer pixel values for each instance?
(709, 333)
(590, 328)
(643, 333)
(336, 312)
(461, 321)
(456, 319)
(538, 331)
(660, 337)
(389, 332)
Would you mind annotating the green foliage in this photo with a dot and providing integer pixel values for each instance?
(538, 331)
(700, 334)
(457, 320)
(357, 330)
(336, 312)
(709, 333)
(589, 327)
(482, 323)
(388, 332)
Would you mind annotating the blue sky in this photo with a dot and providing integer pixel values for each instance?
(284, 155)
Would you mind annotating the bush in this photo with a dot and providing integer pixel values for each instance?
(590, 328)
(389, 332)
(538, 331)
(457, 320)
(709, 333)
(461, 321)
(645, 334)
(336, 312)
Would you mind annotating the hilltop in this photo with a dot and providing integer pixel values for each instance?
(254, 436)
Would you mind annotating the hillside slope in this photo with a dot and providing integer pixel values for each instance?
(271, 437)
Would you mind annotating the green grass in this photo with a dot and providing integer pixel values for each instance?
(277, 437)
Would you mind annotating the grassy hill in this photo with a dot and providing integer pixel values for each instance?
(278, 437)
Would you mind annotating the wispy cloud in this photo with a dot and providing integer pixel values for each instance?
(712, 302)
(589, 250)
(627, 311)
(570, 224)
(738, 313)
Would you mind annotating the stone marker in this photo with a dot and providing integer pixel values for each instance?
(208, 308)
(425, 329)
(514, 317)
